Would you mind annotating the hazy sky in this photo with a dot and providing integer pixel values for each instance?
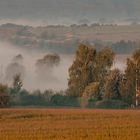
(69, 11)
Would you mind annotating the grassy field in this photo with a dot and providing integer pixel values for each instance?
(69, 124)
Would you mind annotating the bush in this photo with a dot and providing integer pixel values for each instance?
(111, 104)
(61, 100)
(92, 103)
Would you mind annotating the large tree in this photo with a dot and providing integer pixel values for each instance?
(88, 67)
(103, 63)
(80, 73)
(132, 76)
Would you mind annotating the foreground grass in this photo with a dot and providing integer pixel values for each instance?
(69, 124)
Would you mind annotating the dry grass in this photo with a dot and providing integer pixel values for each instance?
(69, 124)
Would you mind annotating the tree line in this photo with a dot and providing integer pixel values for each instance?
(92, 83)
(91, 76)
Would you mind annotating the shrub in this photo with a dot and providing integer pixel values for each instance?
(111, 104)
(61, 100)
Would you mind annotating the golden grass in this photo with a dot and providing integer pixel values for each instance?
(69, 124)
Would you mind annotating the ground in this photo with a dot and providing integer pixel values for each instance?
(69, 124)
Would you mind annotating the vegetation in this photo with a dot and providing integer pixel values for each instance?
(131, 85)
(88, 67)
(64, 39)
(44, 66)
(92, 82)
(91, 76)
(4, 97)
(111, 104)
(112, 85)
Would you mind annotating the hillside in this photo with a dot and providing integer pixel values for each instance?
(64, 38)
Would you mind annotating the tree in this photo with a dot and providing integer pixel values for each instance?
(92, 91)
(18, 59)
(128, 87)
(4, 97)
(16, 89)
(112, 85)
(17, 84)
(88, 67)
(104, 61)
(45, 66)
(14, 69)
(80, 72)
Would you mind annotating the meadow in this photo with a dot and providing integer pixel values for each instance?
(69, 124)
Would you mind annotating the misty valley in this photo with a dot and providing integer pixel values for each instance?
(69, 69)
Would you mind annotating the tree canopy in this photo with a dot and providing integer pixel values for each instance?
(89, 66)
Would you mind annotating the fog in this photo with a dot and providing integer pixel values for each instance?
(31, 80)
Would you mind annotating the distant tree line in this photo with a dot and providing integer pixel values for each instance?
(120, 47)
(61, 39)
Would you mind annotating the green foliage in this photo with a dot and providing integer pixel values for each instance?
(61, 100)
(111, 104)
(92, 102)
(36, 98)
(32, 100)
(47, 98)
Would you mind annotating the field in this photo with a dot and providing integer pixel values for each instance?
(69, 124)
(105, 33)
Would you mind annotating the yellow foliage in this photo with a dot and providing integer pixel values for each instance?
(91, 90)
